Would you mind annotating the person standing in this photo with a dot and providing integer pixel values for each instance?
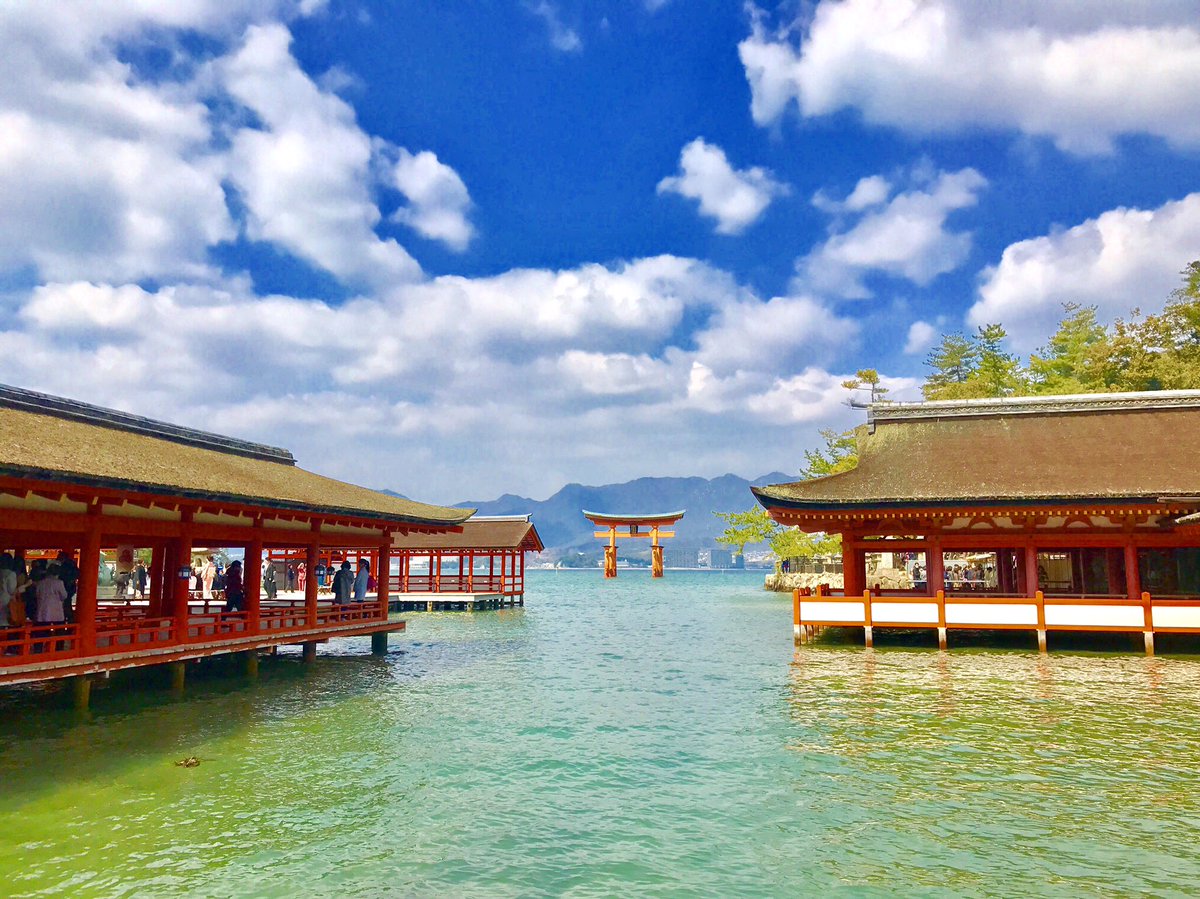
(362, 581)
(268, 579)
(235, 594)
(51, 597)
(342, 584)
(8, 587)
(141, 577)
(208, 574)
(302, 577)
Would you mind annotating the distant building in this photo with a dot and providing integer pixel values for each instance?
(680, 557)
(720, 558)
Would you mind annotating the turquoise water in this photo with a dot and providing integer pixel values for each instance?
(616, 738)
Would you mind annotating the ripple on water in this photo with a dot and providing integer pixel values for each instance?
(626, 737)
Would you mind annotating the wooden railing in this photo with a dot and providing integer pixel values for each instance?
(454, 582)
(349, 614)
(133, 632)
(30, 642)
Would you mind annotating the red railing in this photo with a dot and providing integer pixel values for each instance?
(217, 624)
(273, 620)
(356, 612)
(458, 583)
(34, 642)
(134, 632)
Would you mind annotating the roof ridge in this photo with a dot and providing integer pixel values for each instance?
(61, 407)
(1034, 405)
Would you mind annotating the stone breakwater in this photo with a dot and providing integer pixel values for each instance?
(786, 583)
(886, 578)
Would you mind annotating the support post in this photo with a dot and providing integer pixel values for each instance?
(935, 567)
(1148, 618)
(81, 691)
(868, 627)
(379, 642)
(656, 554)
(311, 556)
(253, 583)
(309, 654)
(1032, 582)
(178, 676)
(941, 604)
(1041, 615)
(180, 608)
(383, 577)
(796, 612)
(252, 664)
(89, 577)
(157, 562)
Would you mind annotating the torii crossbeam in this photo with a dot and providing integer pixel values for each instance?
(636, 526)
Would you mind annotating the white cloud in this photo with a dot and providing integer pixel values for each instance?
(735, 198)
(562, 38)
(438, 199)
(1081, 74)
(1121, 259)
(305, 176)
(906, 238)
(869, 191)
(921, 336)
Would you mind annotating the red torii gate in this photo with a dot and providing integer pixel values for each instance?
(636, 526)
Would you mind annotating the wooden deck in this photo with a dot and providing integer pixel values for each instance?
(454, 602)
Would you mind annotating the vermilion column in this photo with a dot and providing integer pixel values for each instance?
(935, 566)
(311, 556)
(383, 576)
(1133, 577)
(156, 581)
(253, 584)
(89, 577)
(179, 586)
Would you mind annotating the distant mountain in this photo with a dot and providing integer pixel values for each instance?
(560, 521)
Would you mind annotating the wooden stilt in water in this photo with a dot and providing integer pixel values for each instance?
(252, 664)
(941, 638)
(81, 691)
(379, 643)
(178, 676)
(1149, 639)
(309, 654)
(1041, 634)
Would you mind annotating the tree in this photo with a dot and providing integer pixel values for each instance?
(867, 378)
(998, 373)
(839, 454)
(954, 362)
(1071, 362)
(752, 526)
(792, 543)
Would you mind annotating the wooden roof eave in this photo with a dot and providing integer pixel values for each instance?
(136, 492)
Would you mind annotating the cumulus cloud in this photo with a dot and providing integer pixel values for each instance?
(1121, 259)
(907, 237)
(1081, 74)
(305, 175)
(438, 199)
(921, 336)
(735, 198)
(869, 191)
(562, 38)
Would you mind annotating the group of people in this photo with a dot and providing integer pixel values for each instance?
(38, 593)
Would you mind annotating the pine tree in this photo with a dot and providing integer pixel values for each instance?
(954, 361)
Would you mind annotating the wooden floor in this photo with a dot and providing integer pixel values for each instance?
(454, 602)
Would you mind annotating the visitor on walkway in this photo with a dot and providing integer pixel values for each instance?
(8, 587)
(235, 594)
(268, 579)
(141, 577)
(342, 583)
(362, 581)
(51, 597)
(209, 574)
(302, 577)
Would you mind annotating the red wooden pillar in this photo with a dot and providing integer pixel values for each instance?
(383, 576)
(1032, 582)
(89, 579)
(853, 564)
(521, 556)
(437, 579)
(492, 571)
(935, 566)
(312, 555)
(1133, 577)
(156, 581)
(253, 583)
(180, 608)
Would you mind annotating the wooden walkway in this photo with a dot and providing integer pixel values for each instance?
(453, 602)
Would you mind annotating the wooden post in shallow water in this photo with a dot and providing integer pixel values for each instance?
(1041, 620)
(379, 643)
(252, 664)
(941, 603)
(178, 676)
(1148, 618)
(81, 691)
(796, 611)
(309, 654)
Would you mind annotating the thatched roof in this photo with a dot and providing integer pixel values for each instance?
(51, 439)
(1135, 446)
(481, 533)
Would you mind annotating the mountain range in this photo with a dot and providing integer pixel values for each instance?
(564, 530)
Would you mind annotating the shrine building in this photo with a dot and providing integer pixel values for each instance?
(81, 480)
(1062, 513)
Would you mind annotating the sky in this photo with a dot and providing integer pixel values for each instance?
(472, 247)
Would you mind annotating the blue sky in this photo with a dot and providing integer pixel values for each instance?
(459, 249)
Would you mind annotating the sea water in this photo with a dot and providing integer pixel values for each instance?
(627, 737)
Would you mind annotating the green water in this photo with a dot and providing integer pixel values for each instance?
(620, 738)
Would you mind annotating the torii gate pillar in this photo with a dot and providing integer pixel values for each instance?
(635, 526)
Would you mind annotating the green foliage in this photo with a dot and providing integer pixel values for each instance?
(867, 378)
(752, 526)
(839, 454)
(1154, 352)
(791, 543)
